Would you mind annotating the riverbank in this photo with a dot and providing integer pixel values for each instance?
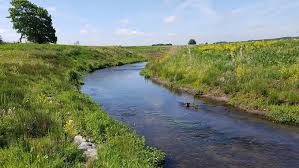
(260, 77)
(42, 109)
(195, 93)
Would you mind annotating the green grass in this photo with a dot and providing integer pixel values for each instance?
(151, 51)
(262, 75)
(41, 109)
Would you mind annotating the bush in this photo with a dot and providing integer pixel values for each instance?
(192, 42)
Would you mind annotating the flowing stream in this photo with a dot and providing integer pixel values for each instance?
(211, 135)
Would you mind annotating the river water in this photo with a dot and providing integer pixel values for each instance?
(211, 135)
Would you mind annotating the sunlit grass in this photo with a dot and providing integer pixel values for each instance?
(261, 75)
(39, 97)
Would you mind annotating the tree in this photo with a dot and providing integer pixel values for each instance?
(1, 40)
(77, 43)
(192, 42)
(32, 22)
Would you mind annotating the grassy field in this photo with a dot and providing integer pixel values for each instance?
(151, 51)
(261, 75)
(42, 109)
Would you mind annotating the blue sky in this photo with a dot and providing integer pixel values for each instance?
(145, 22)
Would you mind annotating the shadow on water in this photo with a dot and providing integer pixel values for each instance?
(212, 135)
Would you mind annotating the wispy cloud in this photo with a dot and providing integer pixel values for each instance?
(3, 30)
(202, 7)
(88, 29)
(124, 21)
(169, 19)
(171, 34)
(51, 9)
(204, 20)
(84, 31)
(128, 32)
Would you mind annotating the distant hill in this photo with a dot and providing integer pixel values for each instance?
(280, 38)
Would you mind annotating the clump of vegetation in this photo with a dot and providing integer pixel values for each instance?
(32, 22)
(41, 109)
(192, 42)
(261, 75)
(160, 44)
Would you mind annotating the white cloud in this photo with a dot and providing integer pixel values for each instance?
(88, 29)
(204, 8)
(3, 30)
(170, 19)
(51, 9)
(171, 34)
(84, 31)
(128, 32)
(193, 4)
(124, 21)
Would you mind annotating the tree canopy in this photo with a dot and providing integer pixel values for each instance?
(32, 22)
(192, 42)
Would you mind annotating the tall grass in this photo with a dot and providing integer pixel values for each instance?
(39, 96)
(261, 75)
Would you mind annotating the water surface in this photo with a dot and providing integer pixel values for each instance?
(215, 135)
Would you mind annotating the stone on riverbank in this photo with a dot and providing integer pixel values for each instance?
(89, 148)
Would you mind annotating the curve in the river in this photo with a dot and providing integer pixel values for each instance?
(215, 135)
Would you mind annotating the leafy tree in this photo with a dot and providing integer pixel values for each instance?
(32, 22)
(1, 40)
(192, 42)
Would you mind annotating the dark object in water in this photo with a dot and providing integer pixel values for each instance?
(191, 105)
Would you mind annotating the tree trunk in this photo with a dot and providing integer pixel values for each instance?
(20, 41)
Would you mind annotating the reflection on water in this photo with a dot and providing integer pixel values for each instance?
(213, 135)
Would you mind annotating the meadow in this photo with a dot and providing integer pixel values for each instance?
(256, 76)
(42, 109)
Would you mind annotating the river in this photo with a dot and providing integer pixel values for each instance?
(211, 135)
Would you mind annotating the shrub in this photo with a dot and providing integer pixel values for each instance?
(192, 42)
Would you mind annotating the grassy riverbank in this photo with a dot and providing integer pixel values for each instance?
(41, 109)
(261, 75)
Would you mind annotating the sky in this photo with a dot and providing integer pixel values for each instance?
(146, 22)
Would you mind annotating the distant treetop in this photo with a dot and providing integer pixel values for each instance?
(162, 44)
(192, 42)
